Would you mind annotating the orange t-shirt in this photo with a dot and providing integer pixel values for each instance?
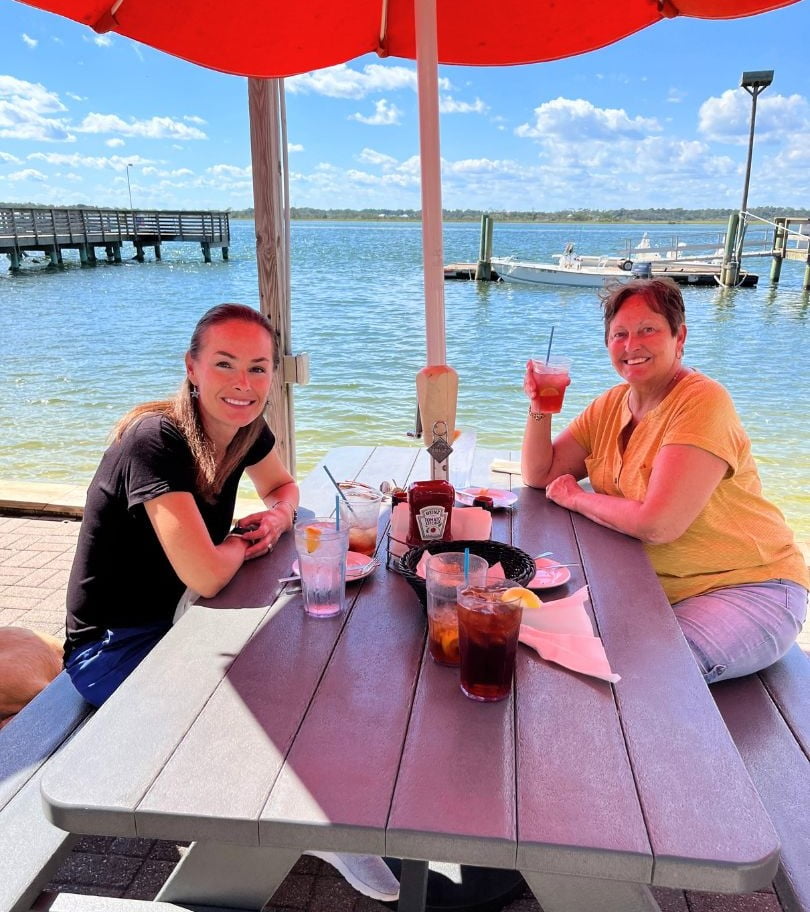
(739, 537)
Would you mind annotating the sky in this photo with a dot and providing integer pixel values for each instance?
(656, 120)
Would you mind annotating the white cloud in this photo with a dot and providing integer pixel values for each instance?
(193, 118)
(578, 119)
(33, 95)
(727, 119)
(229, 171)
(8, 157)
(31, 42)
(294, 147)
(76, 97)
(25, 109)
(114, 143)
(370, 157)
(449, 105)
(27, 174)
(154, 128)
(384, 115)
(151, 171)
(676, 96)
(96, 163)
(99, 40)
(343, 82)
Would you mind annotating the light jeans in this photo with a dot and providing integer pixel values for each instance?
(742, 629)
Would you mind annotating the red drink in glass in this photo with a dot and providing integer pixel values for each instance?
(550, 379)
(488, 627)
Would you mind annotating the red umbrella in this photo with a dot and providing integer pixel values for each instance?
(275, 39)
(272, 38)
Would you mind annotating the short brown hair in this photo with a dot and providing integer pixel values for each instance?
(661, 294)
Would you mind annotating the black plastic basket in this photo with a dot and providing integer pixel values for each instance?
(517, 565)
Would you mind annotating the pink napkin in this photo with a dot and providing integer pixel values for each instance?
(561, 632)
(471, 523)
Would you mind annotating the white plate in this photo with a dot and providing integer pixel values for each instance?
(354, 561)
(549, 574)
(500, 498)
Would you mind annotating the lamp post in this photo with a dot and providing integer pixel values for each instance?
(129, 188)
(754, 82)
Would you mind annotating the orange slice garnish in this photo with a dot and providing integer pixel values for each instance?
(312, 537)
(525, 597)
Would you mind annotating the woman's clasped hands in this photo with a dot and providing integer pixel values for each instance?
(260, 531)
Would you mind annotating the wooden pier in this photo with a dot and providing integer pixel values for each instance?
(50, 231)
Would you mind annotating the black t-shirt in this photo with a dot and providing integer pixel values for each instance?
(121, 576)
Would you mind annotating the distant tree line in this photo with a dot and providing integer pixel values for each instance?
(662, 215)
(509, 215)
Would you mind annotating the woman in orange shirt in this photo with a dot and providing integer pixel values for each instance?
(670, 464)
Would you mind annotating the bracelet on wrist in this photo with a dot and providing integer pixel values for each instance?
(538, 416)
(293, 510)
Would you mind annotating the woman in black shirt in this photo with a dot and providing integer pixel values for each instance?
(161, 503)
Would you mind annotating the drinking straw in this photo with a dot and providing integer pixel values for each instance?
(550, 339)
(466, 566)
(337, 514)
(337, 488)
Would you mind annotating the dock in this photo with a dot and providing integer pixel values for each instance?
(700, 274)
(51, 231)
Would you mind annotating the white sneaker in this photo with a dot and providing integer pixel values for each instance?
(368, 874)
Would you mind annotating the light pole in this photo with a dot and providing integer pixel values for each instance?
(754, 82)
(129, 188)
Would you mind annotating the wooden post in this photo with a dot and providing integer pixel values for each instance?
(778, 251)
(83, 258)
(271, 215)
(224, 253)
(806, 285)
(139, 252)
(157, 252)
(206, 251)
(14, 256)
(731, 268)
(483, 271)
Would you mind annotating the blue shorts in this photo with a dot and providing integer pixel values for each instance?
(97, 669)
(742, 629)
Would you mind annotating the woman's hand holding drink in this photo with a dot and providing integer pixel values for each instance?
(545, 383)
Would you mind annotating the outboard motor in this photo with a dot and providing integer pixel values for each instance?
(641, 270)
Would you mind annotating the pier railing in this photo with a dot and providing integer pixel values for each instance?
(51, 230)
(30, 227)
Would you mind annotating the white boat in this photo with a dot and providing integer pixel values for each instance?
(570, 269)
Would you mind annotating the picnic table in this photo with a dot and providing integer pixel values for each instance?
(257, 732)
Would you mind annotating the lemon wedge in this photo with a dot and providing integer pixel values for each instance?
(526, 597)
(312, 538)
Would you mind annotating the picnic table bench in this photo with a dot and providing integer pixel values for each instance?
(31, 847)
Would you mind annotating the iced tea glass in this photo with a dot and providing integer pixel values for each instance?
(322, 548)
(444, 574)
(360, 514)
(551, 377)
(488, 627)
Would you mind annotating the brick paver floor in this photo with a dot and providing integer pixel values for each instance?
(35, 559)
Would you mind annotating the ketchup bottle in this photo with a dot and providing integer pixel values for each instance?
(431, 508)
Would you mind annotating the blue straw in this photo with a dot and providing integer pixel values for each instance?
(337, 513)
(337, 488)
(550, 338)
(466, 566)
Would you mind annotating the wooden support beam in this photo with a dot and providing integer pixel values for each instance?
(270, 202)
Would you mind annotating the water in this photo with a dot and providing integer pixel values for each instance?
(81, 346)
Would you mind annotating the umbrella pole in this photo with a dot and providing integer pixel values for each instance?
(436, 383)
